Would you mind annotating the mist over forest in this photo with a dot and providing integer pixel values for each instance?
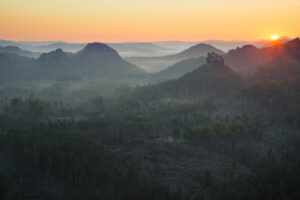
(210, 120)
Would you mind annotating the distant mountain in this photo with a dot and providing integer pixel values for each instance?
(224, 45)
(57, 59)
(195, 51)
(245, 60)
(69, 47)
(18, 51)
(284, 64)
(289, 50)
(139, 49)
(96, 60)
(155, 64)
(7, 43)
(211, 79)
(279, 61)
(269, 43)
(28, 45)
(248, 59)
(179, 69)
(104, 60)
(98, 51)
(126, 49)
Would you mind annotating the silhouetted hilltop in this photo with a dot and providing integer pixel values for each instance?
(292, 50)
(105, 61)
(18, 51)
(98, 51)
(284, 64)
(155, 64)
(96, 60)
(248, 59)
(196, 51)
(69, 47)
(54, 59)
(211, 79)
(7, 43)
(124, 49)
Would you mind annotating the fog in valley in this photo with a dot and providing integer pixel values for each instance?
(159, 120)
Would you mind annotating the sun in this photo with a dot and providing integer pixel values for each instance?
(274, 37)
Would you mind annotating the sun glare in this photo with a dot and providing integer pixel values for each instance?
(274, 37)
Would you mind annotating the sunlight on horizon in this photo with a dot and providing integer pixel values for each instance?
(133, 20)
(274, 37)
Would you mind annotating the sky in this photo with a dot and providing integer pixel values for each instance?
(147, 20)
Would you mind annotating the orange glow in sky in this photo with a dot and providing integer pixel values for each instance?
(147, 20)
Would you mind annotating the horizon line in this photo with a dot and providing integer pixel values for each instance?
(137, 41)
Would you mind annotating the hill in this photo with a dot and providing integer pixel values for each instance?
(18, 51)
(211, 79)
(155, 64)
(196, 51)
(105, 61)
(96, 60)
(277, 62)
(69, 47)
(124, 49)
(284, 63)
(245, 59)
(248, 59)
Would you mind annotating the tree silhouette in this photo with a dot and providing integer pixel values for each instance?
(215, 59)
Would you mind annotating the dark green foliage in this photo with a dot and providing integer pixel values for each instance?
(278, 178)
(232, 130)
(214, 59)
(51, 164)
(278, 100)
(202, 136)
(67, 166)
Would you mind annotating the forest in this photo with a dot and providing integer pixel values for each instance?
(226, 129)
